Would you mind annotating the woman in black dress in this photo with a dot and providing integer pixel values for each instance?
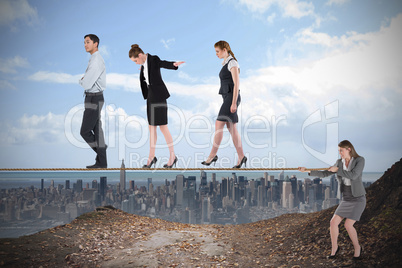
(229, 76)
(155, 92)
(349, 171)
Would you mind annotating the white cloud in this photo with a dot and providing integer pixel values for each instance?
(296, 9)
(33, 129)
(6, 85)
(337, 2)
(14, 10)
(271, 18)
(307, 36)
(104, 51)
(186, 77)
(289, 8)
(10, 65)
(258, 5)
(53, 77)
(63, 128)
(127, 82)
(361, 70)
(167, 43)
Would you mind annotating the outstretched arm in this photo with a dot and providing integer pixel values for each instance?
(320, 173)
(168, 64)
(178, 63)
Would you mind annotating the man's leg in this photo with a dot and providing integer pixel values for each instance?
(91, 128)
(99, 136)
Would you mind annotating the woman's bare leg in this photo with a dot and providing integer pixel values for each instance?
(353, 236)
(334, 231)
(219, 125)
(152, 143)
(232, 127)
(169, 141)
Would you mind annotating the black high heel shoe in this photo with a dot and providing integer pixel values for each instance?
(244, 160)
(360, 256)
(174, 163)
(212, 161)
(333, 256)
(150, 164)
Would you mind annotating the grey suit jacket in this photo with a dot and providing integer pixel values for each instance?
(355, 175)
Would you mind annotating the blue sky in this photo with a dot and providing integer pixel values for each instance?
(312, 74)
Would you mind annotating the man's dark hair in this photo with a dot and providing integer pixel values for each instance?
(93, 37)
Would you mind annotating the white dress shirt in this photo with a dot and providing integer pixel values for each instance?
(94, 79)
(146, 70)
(232, 63)
(346, 181)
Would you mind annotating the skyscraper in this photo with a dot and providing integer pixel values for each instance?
(260, 194)
(224, 187)
(282, 175)
(204, 211)
(67, 184)
(204, 189)
(122, 176)
(151, 189)
(253, 188)
(189, 192)
(94, 184)
(203, 178)
(131, 203)
(287, 190)
(103, 186)
(179, 190)
(79, 186)
(132, 184)
(293, 181)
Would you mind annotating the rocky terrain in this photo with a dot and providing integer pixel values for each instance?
(112, 238)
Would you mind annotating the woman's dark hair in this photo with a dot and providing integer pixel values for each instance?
(93, 37)
(347, 144)
(135, 51)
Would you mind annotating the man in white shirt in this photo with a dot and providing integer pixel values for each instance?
(94, 83)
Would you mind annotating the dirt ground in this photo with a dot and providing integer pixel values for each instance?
(112, 238)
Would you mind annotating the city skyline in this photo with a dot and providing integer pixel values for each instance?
(201, 199)
(313, 73)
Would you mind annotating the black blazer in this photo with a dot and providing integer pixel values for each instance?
(157, 90)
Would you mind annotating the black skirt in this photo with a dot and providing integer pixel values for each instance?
(157, 113)
(224, 113)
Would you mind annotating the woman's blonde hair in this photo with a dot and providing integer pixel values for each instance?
(223, 44)
(347, 144)
(135, 51)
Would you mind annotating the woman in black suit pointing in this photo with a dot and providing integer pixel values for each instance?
(155, 92)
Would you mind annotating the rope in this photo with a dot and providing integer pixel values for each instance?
(151, 169)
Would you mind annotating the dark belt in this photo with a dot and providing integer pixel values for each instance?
(93, 94)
